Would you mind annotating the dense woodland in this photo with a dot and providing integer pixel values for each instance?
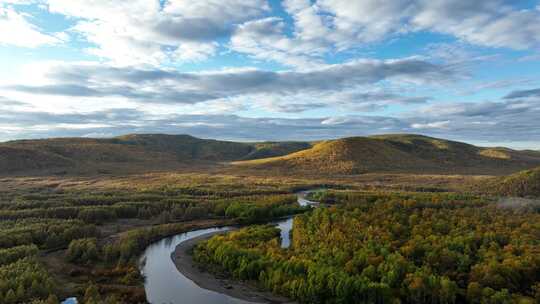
(97, 237)
(523, 184)
(391, 248)
(85, 239)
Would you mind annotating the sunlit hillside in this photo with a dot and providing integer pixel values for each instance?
(397, 153)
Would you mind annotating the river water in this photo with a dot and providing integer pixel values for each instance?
(164, 284)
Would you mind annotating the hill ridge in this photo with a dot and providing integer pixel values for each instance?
(409, 153)
(147, 151)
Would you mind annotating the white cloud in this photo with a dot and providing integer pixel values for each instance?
(15, 29)
(148, 32)
(337, 83)
(138, 38)
(325, 27)
(485, 22)
(195, 51)
(432, 125)
(494, 23)
(503, 121)
(155, 32)
(265, 39)
(231, 10)
(532, 57)
(368, 20)
(18, 2)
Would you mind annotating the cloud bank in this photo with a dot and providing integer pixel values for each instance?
(482, 122)
(171, 86)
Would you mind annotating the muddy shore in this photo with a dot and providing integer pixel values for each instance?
(241, 290)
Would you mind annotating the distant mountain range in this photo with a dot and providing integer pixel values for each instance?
(354, 155)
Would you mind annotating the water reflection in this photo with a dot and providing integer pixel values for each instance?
(164, 284)
(285, 227)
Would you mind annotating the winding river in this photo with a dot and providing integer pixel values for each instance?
(164, 284)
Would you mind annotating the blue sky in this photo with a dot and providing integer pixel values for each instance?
(272, 70)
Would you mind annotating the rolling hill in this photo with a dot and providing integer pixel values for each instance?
(396, 153)
(347, 156)
(522, 184)
(185, 147)
(128, 153)
(273, 149)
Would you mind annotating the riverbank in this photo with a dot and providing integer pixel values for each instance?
(246, 291)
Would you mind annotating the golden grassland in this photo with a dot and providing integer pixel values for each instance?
(227, 179)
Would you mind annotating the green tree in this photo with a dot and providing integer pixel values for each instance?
(10, 298)
(474, 292)
(91, 295)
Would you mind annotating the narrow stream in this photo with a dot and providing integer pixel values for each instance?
(164, 284)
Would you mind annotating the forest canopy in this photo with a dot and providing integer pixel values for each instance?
(391, 248)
